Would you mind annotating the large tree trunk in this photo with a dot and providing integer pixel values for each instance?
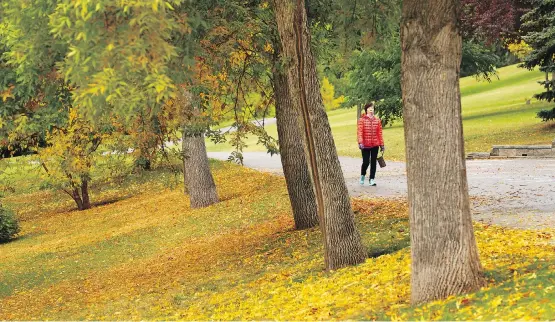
(198, 178)
(443, 248)
(342, 242)
(293, 159)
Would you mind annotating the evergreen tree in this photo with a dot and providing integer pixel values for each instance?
(538, 26)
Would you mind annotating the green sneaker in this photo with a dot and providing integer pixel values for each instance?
(373, 182)
(362, 180)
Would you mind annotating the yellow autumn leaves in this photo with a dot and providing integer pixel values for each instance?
(376, 289)
(151, 257)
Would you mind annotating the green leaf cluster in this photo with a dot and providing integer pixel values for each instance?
(539, 33)
(376, 77)
(9, 227)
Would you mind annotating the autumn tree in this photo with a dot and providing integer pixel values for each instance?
(291, 150)
(443, 248)
(205, 91)
(240, 55)
(105, 59)
(199, 183)
(125, 59)
(36, 108)
(342, 242)
(70, 157)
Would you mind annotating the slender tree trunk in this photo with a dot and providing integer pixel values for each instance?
(359, 111)
(81, 196)
(77, 198)
(342, 242)
(198, 178)
(293, 159)
(85, 194)
(443, 248)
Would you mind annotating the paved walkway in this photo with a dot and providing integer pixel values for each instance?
(266, 122)
(516, 193)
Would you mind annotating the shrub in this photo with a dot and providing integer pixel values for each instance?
(8, 225)
(547, 115)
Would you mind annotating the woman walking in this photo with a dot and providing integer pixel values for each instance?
(370, 140)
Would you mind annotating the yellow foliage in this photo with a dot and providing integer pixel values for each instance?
(237, 260)
(328, 95)
(70, 156)
(520, 49)
(268, 48)
(7, 94)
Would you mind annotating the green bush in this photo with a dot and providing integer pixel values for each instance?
(547, 115)
(8, 225)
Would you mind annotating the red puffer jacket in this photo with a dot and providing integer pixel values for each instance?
(370, 132)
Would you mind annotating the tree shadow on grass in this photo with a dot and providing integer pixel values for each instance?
(375, 252)
(548, 127)
(109, 201)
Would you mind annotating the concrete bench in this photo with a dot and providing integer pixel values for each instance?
(522, 150)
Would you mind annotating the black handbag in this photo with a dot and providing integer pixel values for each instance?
(381, 161)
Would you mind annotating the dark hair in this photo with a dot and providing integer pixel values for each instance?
(367, 106)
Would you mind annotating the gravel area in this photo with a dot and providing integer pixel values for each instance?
(518, 193)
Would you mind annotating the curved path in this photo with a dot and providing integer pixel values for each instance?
(517, 193)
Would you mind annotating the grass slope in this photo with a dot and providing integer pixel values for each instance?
(149, 256)
(494, 113)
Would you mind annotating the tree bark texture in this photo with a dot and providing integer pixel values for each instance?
(444, 254)
(81, 196)
(342, 242)
(293, 159)
(77, 198)
(85, 194)
(198, 178)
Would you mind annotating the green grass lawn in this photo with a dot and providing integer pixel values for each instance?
(494, 113)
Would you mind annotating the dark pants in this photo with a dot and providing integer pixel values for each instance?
(369, 158)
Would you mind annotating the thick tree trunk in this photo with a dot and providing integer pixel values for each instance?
(342, 242)
(444, 254)
(293, 159)
(198, 178)
(85, 194)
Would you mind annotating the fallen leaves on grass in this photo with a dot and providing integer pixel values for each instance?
(151, 257)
